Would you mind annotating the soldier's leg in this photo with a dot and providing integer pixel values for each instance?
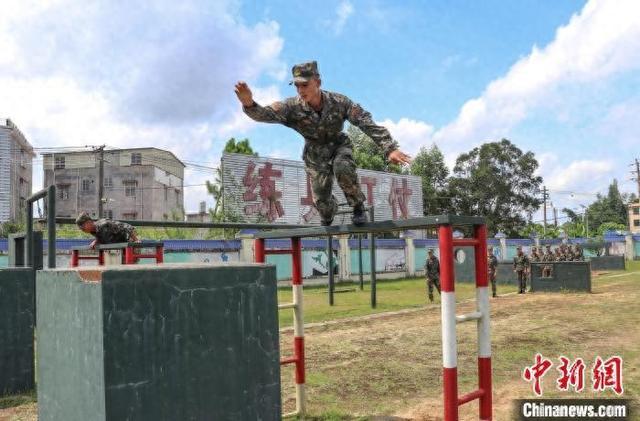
(520, 275)
(344, 168)
(437, 282)
(430, 287)
(493, 285)
(321, 183)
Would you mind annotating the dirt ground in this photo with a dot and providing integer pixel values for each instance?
(390, 365)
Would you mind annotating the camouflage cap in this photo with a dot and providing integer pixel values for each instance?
(430, 251)
(304, 72)
(82, 218)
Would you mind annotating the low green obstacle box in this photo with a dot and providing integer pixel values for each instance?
(574, 276)
(170, 342)
(16, 330)
(607, 263)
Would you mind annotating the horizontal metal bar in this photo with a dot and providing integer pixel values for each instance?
(376, 227)
(287, 305)
(278, 251)
(288, 361)
(37, 196)
(465, 242)
(476, 394)
(88, 257)
(180, 224)
(476, 315)
(145, 256)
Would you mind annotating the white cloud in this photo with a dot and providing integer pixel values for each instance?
(601, 41)
(344, 10)
(410, 134)
(574, 176)
(161, 74)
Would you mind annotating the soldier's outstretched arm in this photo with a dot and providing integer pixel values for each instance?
(274, 113)
(361, 118)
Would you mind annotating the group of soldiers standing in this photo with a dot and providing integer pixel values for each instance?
(562, 253)
(521, 265)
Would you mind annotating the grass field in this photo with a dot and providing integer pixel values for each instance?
(391, 364)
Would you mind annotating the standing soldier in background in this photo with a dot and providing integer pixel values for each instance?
(319, 116)
(548, 257)
(579, 254)
(432, 270)
(492, 267)
(520, 266)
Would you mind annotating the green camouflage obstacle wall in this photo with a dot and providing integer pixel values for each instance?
(571, 276)
(158, 342)
(16, 330)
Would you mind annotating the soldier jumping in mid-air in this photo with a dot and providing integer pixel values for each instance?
(319, 117)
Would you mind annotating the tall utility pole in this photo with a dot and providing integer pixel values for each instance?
(545, 196)
(555, 216)
(637, 177)
(99, 150)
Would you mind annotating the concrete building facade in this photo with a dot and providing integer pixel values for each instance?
(634, 217)
(140, 183)
(16, 170)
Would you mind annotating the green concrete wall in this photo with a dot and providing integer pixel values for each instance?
(570, 276)
(16, 330)
(171, 342)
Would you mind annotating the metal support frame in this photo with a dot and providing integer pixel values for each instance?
(444, 224)
(50, 194)
(260, 252)
(449, 320)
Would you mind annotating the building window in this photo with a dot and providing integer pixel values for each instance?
(130, 215)
(130, 188)
(108, 214)
(63, 192)
(636, 210)
(636, 223)
(136, 158)
(86, 185)
(177, 197)
(108, 182)
(166, 193)
(58, 163)
(23, 162)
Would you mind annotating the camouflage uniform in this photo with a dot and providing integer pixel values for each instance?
(432, 269)
(109, 232)
(328, 150)
(520, 265)
(492, 267)
(579, 254)
(548, 257)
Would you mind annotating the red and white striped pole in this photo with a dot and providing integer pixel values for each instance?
(448, 311)
(484, 331)
(298, 323)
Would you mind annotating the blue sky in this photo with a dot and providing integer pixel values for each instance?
(557, 78)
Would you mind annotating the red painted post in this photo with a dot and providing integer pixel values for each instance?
(258, 250)
(448, 311)
(298, 323)
(100, 257)
(129, 258)
(74, 258)
(159, 254)
(484, 333)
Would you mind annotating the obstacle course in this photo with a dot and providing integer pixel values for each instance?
(447, 244)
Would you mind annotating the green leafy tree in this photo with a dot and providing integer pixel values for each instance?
(610, 208)
(429, 165)
(496, 180)
(216, 189)
(367, 154)
(241, 146)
